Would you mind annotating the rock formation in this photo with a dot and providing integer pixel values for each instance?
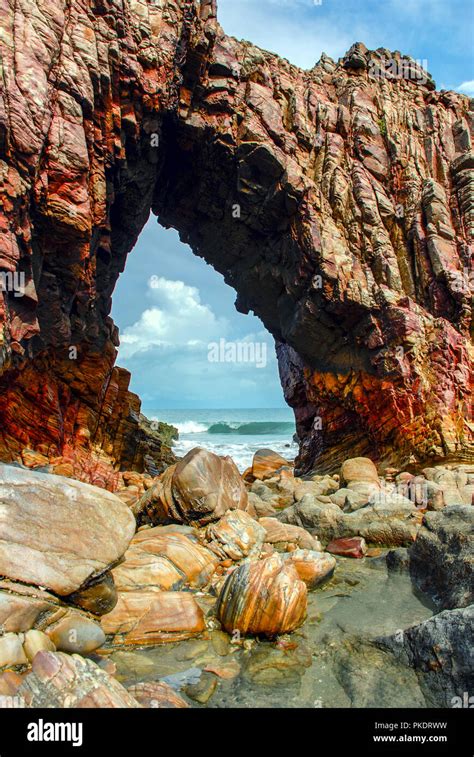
(344, 195)
(199, 489)
(56, 534)
(98, 589)
(441, 651)
(153, 617)
(441, 561)
(61, 680)
(164, 561)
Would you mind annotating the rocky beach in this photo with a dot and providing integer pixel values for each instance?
(214, 589)
(338, 202)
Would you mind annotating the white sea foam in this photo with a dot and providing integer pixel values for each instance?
(191, 427)
(234, 433)
(241, 454)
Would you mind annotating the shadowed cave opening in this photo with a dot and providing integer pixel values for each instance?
(233, 211)
(236, 209)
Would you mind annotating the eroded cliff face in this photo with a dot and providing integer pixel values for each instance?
(338, 202)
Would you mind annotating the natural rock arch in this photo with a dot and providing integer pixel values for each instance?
(337, 202)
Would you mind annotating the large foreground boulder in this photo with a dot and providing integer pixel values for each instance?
(56, 532)
(265, 597)
(442, 557)
(198, 490)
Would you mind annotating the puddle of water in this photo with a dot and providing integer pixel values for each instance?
(329, 662)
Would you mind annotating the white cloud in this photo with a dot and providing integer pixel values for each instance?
(295, 30)
(178, 319)
(467, 88)
(301, 29)
(167, 352)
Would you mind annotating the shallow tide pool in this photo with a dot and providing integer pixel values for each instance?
(331, 661)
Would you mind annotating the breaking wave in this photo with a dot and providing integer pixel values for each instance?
(249, 428)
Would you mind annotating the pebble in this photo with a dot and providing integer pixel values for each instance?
(203, 690)
(37, 641)
(11, 650)
(76, 634)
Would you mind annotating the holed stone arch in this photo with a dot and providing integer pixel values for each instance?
(181, 119)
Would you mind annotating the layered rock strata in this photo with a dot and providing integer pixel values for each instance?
(344, 195)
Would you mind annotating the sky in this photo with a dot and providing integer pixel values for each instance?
(438, 31)
(171, 307)
(174, 312)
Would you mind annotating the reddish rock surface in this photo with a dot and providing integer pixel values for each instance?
(151, 617)
(353, 242)
(62, 680)
(350, 547)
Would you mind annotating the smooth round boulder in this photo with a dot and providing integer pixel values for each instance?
(205, 486)
(98, 597)
(57, 533)
(265, 597)
(266, 462)
(76, 634)
(359, 470)
(196, 491)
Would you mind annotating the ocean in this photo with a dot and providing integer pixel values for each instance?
(238, 433)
